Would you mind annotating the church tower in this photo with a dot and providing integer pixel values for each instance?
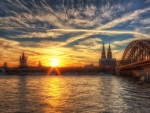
(109, 53)
(39, 64)
(5, 65)
(23, 61)
(103, 52)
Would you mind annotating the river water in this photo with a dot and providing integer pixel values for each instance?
(73, 94)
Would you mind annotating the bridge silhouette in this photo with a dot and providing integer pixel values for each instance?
(135, 59)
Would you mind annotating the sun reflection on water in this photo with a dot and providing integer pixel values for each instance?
(54, 92)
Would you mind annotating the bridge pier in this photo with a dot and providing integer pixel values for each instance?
(137, 73)
(117, 72)
(147, 72)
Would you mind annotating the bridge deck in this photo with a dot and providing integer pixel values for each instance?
(135, 65)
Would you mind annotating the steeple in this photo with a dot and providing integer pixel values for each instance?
(23, 61)
(103, 52)
(39, 64)
(109, 53)
(23, 56)
(5, 65)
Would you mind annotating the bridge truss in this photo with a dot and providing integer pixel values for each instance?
(136, 51)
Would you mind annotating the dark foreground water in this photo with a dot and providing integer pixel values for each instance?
(72, 94)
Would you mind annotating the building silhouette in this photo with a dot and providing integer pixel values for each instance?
(39, 64)
(5, 65)
(107, 61)
(23, 61)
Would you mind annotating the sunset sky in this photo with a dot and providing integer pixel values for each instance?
(71, 30)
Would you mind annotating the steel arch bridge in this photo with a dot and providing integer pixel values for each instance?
(137, 54)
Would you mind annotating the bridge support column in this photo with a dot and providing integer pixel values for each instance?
(137, 73)
(117, 72)
(147, 71)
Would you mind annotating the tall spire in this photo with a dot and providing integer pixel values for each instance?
(109, 53)
(23, 61)
(103, 52)
(39, 64)
(23, 55)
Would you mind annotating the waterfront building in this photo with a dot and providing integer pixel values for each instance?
(23, 61)
(107, 61)
(90, 66)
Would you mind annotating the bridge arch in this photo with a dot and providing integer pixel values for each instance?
(137, 50)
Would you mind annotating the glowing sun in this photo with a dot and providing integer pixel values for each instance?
(54, 62)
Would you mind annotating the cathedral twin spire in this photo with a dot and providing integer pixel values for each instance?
(23, 56)
(109, 53)
(103, 52)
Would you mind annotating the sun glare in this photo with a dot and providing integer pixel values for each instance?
(54, 62)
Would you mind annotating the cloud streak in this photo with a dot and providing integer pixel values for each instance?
(45, 34)
(115, 22)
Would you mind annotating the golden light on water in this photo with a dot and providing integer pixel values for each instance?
(54, 93)
(54, 62)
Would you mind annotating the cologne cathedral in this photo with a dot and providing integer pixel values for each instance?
(107, 62)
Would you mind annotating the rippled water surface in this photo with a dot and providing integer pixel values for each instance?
(72, 94)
